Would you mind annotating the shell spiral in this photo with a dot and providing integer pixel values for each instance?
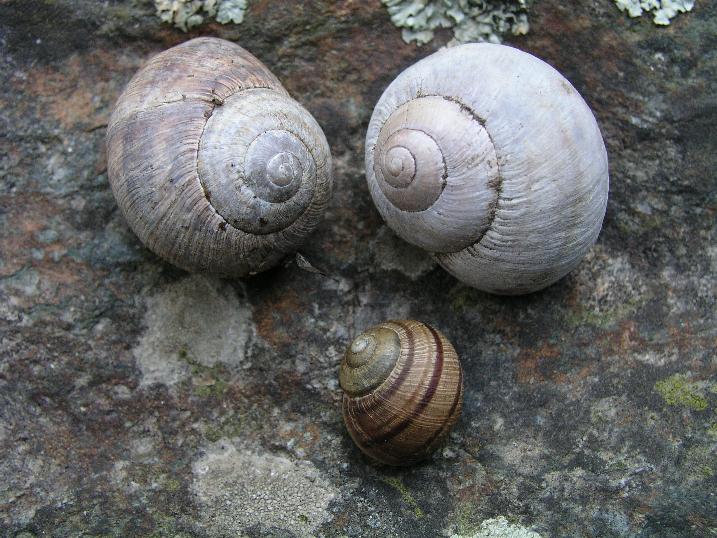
(215, 167)
(489, 159)
(403, 391)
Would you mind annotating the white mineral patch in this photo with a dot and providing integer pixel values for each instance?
(662, 10)
(196, 320)
(237, 489)
(500, 528)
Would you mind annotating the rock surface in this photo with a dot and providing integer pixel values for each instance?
(137, 400)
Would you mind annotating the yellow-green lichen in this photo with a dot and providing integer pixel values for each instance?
(700, 463)
(465, 519)
(470, 20)
(678, 390)
(172, 484)
(406, 495)
(662, 10)
(186, 14)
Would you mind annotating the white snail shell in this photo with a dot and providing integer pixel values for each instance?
(215, 167)
(488, 158)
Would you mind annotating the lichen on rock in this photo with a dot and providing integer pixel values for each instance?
(471, 20)
(500, 527)
(663, 11)
(186, 14)
(196, 320)
(238, 489)
(678, 390)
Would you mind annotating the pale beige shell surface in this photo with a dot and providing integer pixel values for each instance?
(488, 158)
(214, 165)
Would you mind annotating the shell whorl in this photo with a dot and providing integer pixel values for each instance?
(519, 193)
(369, 360)
(403, 391)
(445, 162)
(259, 173)
(214, 165)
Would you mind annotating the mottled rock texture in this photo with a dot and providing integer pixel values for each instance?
(137, 400)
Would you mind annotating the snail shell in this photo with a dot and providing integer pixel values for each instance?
(489, 159)
(215, 167)
(403, 391)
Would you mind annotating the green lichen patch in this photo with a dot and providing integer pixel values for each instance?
(470, 20)
(186, 14)
(603, 318)
(663, 11)
(677, 390)
(406, 495)
(700, 463)
(207, 381)
(465, 519)
(227, 427)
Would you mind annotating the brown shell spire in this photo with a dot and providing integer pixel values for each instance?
(403, 391)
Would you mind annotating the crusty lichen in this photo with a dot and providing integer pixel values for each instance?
(237, 489)
(500, 527)
(662, 10)
(408, 498)
(470, 20)
(186, 14)
(678, 390)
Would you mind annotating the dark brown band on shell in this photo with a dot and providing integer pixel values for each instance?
(404, 418)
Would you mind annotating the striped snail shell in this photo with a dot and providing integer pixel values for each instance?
(215, 167)
(489, 159)
(403, 391)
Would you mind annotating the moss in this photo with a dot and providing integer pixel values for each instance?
(602, 320)
(712, 430)
(679, 391)
(208, 381)
(700, 463)
(172, 484)
(215, 388)
(470, 21)
(166, 525)
(406, 495)
(228, 427)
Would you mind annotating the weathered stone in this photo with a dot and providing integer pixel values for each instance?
(589, 407)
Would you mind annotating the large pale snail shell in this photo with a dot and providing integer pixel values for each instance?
(488, 158)
(403, 391)
(212, 163)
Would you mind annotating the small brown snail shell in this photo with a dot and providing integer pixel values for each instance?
(489, 159)
(403, 391)
(215, 167)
